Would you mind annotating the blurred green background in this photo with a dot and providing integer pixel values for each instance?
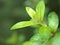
(13, 11)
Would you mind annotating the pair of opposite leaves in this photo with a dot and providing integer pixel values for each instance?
(37, 16)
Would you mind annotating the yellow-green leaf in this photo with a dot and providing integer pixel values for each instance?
(40, 10)
(31, 12)
(23, 24)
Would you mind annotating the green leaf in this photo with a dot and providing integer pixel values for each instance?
(42, 36)
(56, 39)
(31, 12)
(45, 33)
(40, 10)
(49, 42)
(28, 43)
(23, 24)
(36, 38)
(53, 21)
(31, 43)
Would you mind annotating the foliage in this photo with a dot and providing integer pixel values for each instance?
(44, 31)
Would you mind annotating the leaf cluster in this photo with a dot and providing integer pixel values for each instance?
(37, 18)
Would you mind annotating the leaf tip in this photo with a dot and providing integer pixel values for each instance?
(27, 8)
(12, 28)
